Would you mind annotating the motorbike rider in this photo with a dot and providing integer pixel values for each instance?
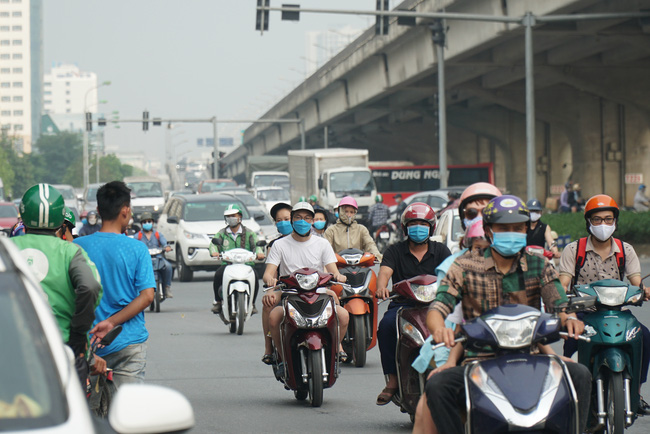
(321, 217)
(539, 233)
(313, 201)
(347, 233)
(65, 233)
(605, 257)
(378, 214)
(299, 250)
(234, 235)
(503, 273)
(409, 258)
(154, 239)
(91, 225)
(64, 270)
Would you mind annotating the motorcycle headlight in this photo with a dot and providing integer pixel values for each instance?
(352, 259)
(193, 236)
(553, 378)
(484, 382)
(325, 316)
(296, 316)
(411, 331)
(425, 293)
(611, 295)
(307, 281)
(513, 333)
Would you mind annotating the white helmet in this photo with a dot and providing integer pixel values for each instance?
(302, 206)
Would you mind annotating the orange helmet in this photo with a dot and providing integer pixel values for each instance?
(600, 202)
(476, 191)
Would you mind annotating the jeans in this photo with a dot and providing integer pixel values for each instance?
(387, 337)
(446, 394)
(218, 280)
(128, 364)
(165, 269)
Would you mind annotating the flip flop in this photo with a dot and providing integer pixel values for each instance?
(386, 395)
(343, 357)
(267, 359)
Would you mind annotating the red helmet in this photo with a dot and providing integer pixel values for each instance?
(421, 212)
(476, 191)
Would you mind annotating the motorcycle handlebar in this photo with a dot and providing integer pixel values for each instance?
(581, 337)
(442, 344)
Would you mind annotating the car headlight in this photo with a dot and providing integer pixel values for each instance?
(611, 295)
(193, 236)
(513, 333)
(156, 207)
(296, 316)
(307, 281)
(425, 293)
(411, 331)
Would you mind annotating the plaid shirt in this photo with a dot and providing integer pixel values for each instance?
(474, 279)
(379, 214)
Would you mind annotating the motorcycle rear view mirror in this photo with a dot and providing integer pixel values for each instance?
(110, 336)
(579, 304)
(217, 241)
(258, 217)
(261, 243)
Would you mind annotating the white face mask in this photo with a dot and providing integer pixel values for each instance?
(534, 216)
(232, 221)
(602, 232)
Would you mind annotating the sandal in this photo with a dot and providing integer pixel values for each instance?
(343, 356)
(267, 359)
(386, 395)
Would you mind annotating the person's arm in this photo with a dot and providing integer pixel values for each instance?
(163, 242)
(549, 241)
(567, 266)
(448, 295)
(87, 290)
(137, 305)
(368, 244)
(333, 269)
(213, 248)
(259, 252)
(385, 273)
(270, 298)
(455, 354)
(565, 281)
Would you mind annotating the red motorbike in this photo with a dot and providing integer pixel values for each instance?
(412, 331)
(358, 298)
(309, 336)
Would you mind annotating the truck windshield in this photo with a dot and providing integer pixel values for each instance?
(353, 182)
(146, 189)
(269, 195)
(267, 180)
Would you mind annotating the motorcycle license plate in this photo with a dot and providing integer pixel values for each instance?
(384, 235)
(359, 216)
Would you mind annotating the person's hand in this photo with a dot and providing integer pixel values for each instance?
(270, 299)
(383, 293)
(215, 255)
(441, 368)
(98, 367)
(341, 278)
(646, 290)
(446, 336)
(566, 359)
(574, 327)
(260, 256)
(100, 330)
(271, 282)
(168, 249)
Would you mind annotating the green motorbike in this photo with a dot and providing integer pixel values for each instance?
(613, 354)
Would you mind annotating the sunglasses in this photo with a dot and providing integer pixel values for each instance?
(471, 213)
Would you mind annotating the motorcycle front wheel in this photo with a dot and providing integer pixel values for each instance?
(157, 299)
(615, 423)
(241, 312)
(315, 369)
(359, 347)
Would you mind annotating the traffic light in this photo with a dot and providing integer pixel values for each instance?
(145, 120)
(262, 17)
(157, 122)
(381, 22)
(101, 122)
(89, 121)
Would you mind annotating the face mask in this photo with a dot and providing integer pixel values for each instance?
(346, 219)
(147, 226)
(508, 243)
(602, 232)
(284, 227)
(319, 225)
(534, 216)
(336, 214)
(232, 221)
(469, 222)
(92, 220)
(301, 227)
(84, 221)
(418, 234)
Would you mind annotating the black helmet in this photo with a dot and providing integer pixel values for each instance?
(277, 207)
(534, 205)
(505, 209)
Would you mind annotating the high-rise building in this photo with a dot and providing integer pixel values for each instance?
(65, 89)
(21, 59)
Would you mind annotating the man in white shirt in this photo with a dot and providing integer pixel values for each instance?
(299, 250)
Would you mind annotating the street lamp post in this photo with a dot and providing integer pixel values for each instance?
(86, 175)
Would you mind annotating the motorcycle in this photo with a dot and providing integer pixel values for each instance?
(496, 402)
(614, 353)
(386, 235)
(309, 336)
(99, 398)
(159, 295)
(412, 331)
(359, 300)
(237, 286)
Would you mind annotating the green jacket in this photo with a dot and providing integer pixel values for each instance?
(248, 241)
(68, 277)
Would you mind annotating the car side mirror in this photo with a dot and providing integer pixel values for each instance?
(437, 238)
(172, 220)
(261, 243)
(258, 217)
(217, 241)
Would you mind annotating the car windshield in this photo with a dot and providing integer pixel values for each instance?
(209, 211)
(456, 229)
(92, 194)
(30, 393)
(146, 189)
(353, 181)
(214, 186)
(248, 199)
(273, 195)
(66, 192)
(8, 211)
(267, 180)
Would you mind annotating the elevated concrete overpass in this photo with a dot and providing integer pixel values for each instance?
(591, 90)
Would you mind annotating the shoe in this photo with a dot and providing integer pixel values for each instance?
(216, 307)
(268, 359)
(386, 395)
(343, 357)
(168, 292)
(254, 311)
(644, 407)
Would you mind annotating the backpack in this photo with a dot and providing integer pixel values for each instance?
(242, 238)
(139, 236)
(581, 256)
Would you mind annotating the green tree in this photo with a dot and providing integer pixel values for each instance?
(23, 173)
(52, 156)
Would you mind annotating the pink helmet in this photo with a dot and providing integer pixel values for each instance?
(348, 200)
(476, 191)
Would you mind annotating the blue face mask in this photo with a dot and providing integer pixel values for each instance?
(508, 243)
(301, 227)
(284, 227)
(336, 214)
(319, 225)
(84, 221)
(418, 234)
(147, 226)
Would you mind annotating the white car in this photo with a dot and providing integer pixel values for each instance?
(269, 196)
(189, 222)
(448, 230)
(40, 391)
(70, 198)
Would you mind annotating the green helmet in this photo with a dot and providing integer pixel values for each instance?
(313, 198)
(302, 199)
(379, 198)
(69, 216)
(42, 207)
(232, 209)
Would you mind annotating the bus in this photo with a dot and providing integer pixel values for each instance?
(409, 179)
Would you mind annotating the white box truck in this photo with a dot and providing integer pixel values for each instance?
(331, 174)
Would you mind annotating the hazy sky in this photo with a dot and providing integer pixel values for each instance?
(185, 58)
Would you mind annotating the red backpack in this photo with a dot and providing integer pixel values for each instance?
(581, 255)
(139, 236)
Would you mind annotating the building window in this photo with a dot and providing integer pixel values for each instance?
(18, 84)
(18, 126)
(18, 1)
(67, 101)
(4, 14)
(47, 83)
(4, 56)
(4, 42)
(67, 83)
(18, 112)
(4, 70)
(67, 92)
(18, 70)
(5, 84)
(17, 28)
(6, 99)
(4, 28)
(5, 113)
(47, 101)
(17, 42)
(48, 92)
(69, 111)
(17, 14)
(18, 98)
(17, 56)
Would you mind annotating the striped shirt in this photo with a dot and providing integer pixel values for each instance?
(475, 280)
(378, 214)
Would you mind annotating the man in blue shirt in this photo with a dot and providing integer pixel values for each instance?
(125, 268)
